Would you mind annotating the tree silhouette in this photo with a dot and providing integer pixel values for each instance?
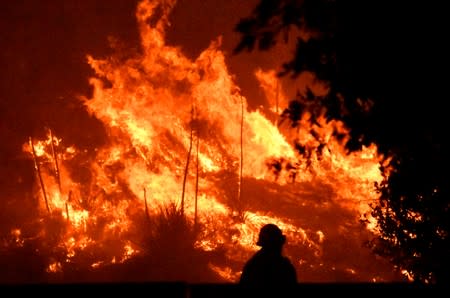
(383, 66)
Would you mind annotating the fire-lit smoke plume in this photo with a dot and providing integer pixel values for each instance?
(186, 155)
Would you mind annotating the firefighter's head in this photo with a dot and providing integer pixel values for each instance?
(270, 236)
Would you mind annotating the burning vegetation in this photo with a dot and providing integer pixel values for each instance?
(187, 177)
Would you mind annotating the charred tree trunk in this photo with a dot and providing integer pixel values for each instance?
(242, 158)
(187, 166)
(276, 102)
(55, 161)
(145, 204)
(38, 171)
(196, 182)
(67, 205)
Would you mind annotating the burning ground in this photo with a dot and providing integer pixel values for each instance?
(186, 175)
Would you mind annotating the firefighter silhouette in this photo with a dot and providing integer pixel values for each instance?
(268, 266)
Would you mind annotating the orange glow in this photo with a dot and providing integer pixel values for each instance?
(54, 267)
(17, 237)
(278, 100)
(153, 102)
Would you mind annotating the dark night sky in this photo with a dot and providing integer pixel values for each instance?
(44, 44)
(44, 48)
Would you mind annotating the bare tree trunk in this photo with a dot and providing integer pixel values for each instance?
(145, 203)
(67, 205)
(242, 157)
(196, 183)
(187, 166)
(55, 160)
(276, 102)
(38, 171)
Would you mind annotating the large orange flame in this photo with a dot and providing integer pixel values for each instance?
(159, 106)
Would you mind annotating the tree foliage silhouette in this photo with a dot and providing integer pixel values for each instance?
(382, 64)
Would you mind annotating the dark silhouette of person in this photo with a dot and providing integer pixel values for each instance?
(268, 267)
